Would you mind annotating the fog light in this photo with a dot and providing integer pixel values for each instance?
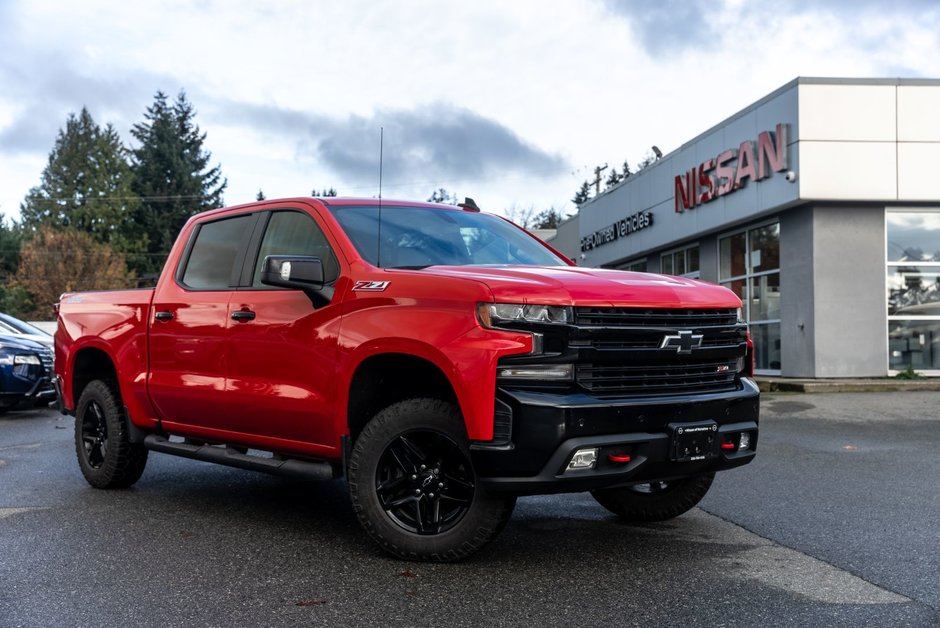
(584, 458)
(745, 442)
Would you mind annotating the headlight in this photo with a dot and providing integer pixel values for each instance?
(27, 359)
(495, 314)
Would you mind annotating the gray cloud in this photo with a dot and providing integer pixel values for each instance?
(673, 26)
(431, 142)
(49, 88)
(665, 26)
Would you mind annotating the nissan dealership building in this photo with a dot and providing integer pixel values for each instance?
(818, 205)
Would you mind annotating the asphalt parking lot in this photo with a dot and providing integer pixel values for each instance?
(836, 522)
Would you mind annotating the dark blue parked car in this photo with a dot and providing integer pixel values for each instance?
(25, 373)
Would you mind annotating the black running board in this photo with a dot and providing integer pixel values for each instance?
(218, 454)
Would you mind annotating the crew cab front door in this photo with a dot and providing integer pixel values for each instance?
(282, 350)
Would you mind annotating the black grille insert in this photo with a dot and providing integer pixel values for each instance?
(689, 376)
(653, 317)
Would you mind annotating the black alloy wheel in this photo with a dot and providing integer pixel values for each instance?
(94, 435)
(413, 486)
(424, 482)
(106, 456)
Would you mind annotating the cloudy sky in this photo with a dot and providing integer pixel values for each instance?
(510, 102)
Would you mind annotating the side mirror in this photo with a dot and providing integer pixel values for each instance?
(289, 271)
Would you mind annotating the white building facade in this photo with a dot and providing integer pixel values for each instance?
(818, 205)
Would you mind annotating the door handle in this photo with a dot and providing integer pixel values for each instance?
(163, 316)
(243, 315)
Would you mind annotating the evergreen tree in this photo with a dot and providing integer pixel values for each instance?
(441, 195)
(583, 194)
(324, 193)
(613, 178)
(86, 185)
(171, 175)
(548, 219)
(626, 169)
(13, 300)
(260, 196)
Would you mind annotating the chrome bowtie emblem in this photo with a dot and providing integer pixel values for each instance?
(683, 342)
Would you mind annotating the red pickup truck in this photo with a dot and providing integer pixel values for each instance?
(440, 359)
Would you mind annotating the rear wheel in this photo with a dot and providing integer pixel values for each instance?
(655, 501)
(106, 456)
(413, 486)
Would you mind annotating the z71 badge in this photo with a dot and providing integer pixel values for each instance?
(370, 286)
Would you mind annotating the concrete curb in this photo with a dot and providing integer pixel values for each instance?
(782, 384)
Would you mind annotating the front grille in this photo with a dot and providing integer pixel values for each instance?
(643, 352)
(727, 341)
(46, 357)
(689, 376)
(654, 317)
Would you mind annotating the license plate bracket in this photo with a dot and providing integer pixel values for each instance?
(693, 442)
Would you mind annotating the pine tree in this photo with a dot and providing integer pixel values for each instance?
(548, 219)
(260, 196)
(441, 195)
(171, 175)
(86, 185)
(613, 178)
(324, 193)
(583, 194)
(12, 300)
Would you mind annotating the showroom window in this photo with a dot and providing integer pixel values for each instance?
(637, 266)
(683, 262)
(913, 290)
(749, 264)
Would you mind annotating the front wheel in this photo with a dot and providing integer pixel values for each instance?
(413, 486)
(655, 501)
(106, 456)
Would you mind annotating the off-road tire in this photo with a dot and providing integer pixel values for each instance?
(106, 456)
(656, 501)
(411, 447)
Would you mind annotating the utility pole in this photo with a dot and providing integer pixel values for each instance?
(597, 178)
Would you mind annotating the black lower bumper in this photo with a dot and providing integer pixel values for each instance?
(635, 440)
(40, 392)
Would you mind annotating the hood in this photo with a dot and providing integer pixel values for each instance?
(591, 287)
(11, 341)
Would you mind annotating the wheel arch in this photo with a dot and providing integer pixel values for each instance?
(89, 364)
(385, 378)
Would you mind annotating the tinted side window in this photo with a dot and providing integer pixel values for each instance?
(295, 233)
(212, 259)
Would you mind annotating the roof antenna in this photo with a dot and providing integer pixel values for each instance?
(378, 253)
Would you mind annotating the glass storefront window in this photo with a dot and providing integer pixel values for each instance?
(637, 267)
(766, 339)
(683, 262)
(764, 248)
(765, 297)
(731, 254)
(913, 236)
(749, 265)
(913, 290)
(912, 257)
(914, 344)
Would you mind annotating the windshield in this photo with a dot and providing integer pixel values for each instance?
(416, 237)
(16, 326)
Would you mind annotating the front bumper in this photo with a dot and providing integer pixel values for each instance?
(544, 430)
(40, 392)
